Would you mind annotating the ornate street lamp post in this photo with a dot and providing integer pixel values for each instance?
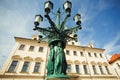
(57, 37)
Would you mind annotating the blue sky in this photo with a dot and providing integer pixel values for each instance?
(100, 22)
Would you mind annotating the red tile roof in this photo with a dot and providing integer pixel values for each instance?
(114, 58)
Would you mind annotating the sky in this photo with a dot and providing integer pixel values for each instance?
(100, 22)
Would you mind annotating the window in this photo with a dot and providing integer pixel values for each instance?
(67, 52)
(81, 53)
(94, 69)
(37, 67)
(85, 69)
(31, 48)
(77, 68)
(73, 43)
(74, 52)
(12, 66)
(25, 66)
(118, 65)
(95, 54)
(89, 54)
(22, 46)
(106, 67)
(40, 49)
(101, 55)
(101, 70)
(69, 68)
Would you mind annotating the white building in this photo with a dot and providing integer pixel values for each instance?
(115, 63)
(28, 59)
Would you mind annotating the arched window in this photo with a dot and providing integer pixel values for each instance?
(77, 67)
(16, 57)
(100, 67)
(69, 62)
(37, 64)
(85, 67)
(68, 68)
(76, 62)
(25, 66)
(37, 67)
(13, 66)
(38, 59)
(28, 58)
(94, 67)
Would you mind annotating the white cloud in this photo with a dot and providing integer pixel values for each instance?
(112, 47)
(86, 36)
(90, 10)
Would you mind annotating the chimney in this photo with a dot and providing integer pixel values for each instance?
(91, 45)
(35, 37)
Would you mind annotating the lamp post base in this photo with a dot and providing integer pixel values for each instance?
(57, 77)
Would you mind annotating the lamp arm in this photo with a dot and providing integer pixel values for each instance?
(43, 30)
(51, 23)
(63, 23)
(71, 30)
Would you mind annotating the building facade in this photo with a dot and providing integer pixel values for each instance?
(28, 59)
(115, 63)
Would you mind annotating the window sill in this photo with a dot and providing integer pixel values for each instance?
(79, 73)
(103, 74)
(21, 49)
(36, 72)
(87, 74)
(24, 72)
(109, 73)
(96, 74)
(10, 72)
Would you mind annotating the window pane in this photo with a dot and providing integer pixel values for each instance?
(22, 46)
(77, 68)
(89, 54)
(107, 69)
(94, 69)
(101, 70)
(73, 43)
(37, 67)
(25, 66)
(40, 49)
(12, 66)
(67, 52)
(101, 55)
(69, 67)
(85, 69)
(31, 48)
(74, 52)
(81, 53)
(118, 65)
(95, 54)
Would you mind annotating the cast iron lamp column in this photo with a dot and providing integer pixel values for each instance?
(57, 37)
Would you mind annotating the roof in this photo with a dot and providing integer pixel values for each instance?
(114, 58)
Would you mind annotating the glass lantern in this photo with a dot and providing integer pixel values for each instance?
(48, 6)
(77, 18)
(67, 6)
(38, 18)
